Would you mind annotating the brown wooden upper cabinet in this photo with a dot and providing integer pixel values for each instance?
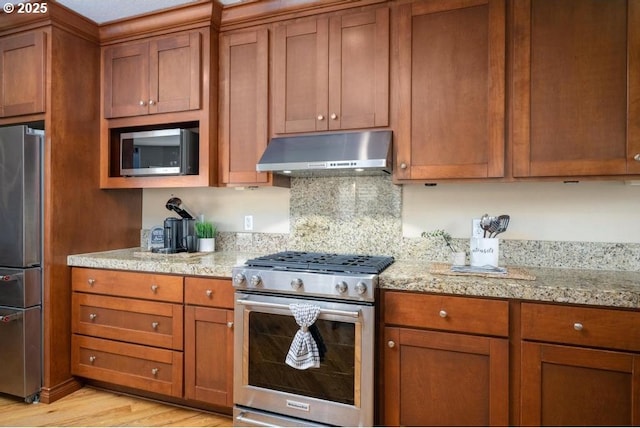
(576, 88)
(332, 72)
(451, 71)
(244, 103)
(22, 74)
(160, 75)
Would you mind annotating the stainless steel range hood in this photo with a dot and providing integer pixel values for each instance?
(346, 153)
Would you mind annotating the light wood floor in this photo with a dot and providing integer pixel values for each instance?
(93, 407)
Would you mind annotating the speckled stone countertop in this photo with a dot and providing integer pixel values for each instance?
(589, 287)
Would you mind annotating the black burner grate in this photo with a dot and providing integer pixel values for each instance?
(325, 262)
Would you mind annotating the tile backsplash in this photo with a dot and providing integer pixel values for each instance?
(364, 215)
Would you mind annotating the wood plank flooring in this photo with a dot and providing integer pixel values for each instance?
(93, 407)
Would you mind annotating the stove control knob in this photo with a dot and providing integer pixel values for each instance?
(296, 284)
(361, 288)
(256, 281)
(239, 279)
(341, 287)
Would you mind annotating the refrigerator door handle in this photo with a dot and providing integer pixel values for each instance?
(16, 316)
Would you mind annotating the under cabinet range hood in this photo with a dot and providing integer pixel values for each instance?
(346, 153)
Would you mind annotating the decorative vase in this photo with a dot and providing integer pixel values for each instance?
(459, 258)
(206, 245)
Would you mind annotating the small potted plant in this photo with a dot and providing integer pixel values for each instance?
(206, 232)
(458, 257)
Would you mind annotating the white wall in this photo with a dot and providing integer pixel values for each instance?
(225, 207)
(586, 211)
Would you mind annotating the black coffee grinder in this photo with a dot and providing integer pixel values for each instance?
(179, 233)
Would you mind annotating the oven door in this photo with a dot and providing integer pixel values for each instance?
(339, 392)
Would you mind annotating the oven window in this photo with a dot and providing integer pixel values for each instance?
(270, 336)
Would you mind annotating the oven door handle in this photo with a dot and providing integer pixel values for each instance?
(352, 314)
(251, 422)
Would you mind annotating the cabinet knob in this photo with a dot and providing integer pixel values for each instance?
(443, 314)
(578, 326)
(154, 288)
(92, 316)
(154, 371)
(403, 165)
(391, 344)
(142, 103)
(333, 116)
(151, 102)
(637, 157)
(91, 281)
(209, 293)
(154, 325)
(320, 117)
(92, 359)
(230, 324)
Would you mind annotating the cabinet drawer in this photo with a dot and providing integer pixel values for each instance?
(128, 320)
(135, 366)
(208, 292)
(128, 284)
(460, 314)
(604, 328)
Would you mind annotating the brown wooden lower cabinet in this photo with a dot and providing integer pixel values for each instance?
(126, 364)
(448, 377)
(445, 379)
(208, 333)
(580, 366)
(572, 386)
(209, 355)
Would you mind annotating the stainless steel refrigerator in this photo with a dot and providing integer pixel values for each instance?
(21, 261)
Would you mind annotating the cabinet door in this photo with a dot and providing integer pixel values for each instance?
(451, 65)
(301, 55)
(209, 355)
(126, 80)
(576, 87)
(445, 379)
(359, 70)
(22, 74)
(244, 99)
(174, 80)
(565, 386)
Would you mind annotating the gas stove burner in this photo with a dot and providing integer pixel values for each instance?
(323, 262)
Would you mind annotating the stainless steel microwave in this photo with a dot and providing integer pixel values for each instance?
(159, 152)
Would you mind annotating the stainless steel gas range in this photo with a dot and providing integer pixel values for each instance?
(304, 339)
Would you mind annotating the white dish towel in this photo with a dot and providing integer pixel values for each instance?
(303, 352)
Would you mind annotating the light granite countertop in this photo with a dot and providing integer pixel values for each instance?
(589, 287)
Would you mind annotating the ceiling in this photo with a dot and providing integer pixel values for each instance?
(101, 11)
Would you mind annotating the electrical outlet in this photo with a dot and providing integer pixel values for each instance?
(248, 222)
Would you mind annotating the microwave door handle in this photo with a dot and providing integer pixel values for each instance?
(352, 314)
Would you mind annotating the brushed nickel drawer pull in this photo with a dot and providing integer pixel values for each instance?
(154, 325)
(578, 326)
(209, 293)
(443, 313)
(230, 324)
(154, 371)
(391, 344)
(92, 359)
(93, 316)
(637, 157)
(91, 281)
(154, 288)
